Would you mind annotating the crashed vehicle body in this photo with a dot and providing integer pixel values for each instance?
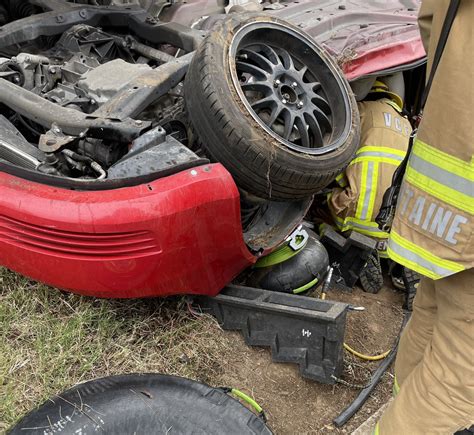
(163, 147)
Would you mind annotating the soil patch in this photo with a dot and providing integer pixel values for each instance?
(295, 405)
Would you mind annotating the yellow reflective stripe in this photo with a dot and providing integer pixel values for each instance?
(370, 233)
(444, 160)
(395, 106)
(370, 153)
(447, 264)
(411, 264)
(396, 387)
(368, 187)
(377, 159)
(442, 175)
(438, 190)
(377, 429)
(342, 180)
(373, 192)
(363, 190)
(363, 227)
(339, 221)
(388, 150)
(418, 259)
(449, 179)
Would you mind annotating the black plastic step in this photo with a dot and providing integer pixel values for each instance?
(347, 255)
(299, 329)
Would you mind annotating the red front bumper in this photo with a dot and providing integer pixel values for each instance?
(179, 234)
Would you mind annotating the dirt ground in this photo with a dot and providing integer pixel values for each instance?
(51, 340)
(295, 405)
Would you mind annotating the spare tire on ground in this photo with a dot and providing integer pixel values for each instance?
(142, 404)
(271, 105)
(290, 270)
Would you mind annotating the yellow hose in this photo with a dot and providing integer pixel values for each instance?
(366, 357)
(358, 354)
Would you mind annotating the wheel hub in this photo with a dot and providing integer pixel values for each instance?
(289, 95)
(285, 90)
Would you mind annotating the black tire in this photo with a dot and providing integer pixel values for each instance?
(260, 162)
(411, 280)
(371, 277)
(309, 264)
(142, 404)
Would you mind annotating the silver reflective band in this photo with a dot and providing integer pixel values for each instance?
(380, 154)
(365, 227)
(417, 259)
(368, 191)
(442, 176)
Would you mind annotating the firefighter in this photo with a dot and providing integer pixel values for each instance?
(432, 233)
(384, 141)
(357, 199)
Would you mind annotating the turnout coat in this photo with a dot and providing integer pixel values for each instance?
(432, 231)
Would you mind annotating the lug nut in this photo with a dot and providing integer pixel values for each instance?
(276, 83)
(300, 104)
(284, 101)
(294, 85)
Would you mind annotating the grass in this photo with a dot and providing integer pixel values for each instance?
(50, 340)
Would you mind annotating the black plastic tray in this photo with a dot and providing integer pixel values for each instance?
(299, 329)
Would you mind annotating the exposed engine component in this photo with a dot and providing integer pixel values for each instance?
(102, 83)
(77, 76)
(11, 71)
(99, 151)
(83, 70)
(15, 148)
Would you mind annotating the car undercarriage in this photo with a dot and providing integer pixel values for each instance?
(84, 96)
(84, 81)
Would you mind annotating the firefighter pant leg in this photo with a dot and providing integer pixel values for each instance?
(417, 333)
(437, 397)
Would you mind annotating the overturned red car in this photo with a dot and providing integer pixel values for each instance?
(150, 149)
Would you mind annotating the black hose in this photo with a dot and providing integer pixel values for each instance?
(349, 412)
(27, 124)
(21, 9)
(80, 158)
(152, 53)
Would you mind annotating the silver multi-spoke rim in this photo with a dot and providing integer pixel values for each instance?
(282, 91)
